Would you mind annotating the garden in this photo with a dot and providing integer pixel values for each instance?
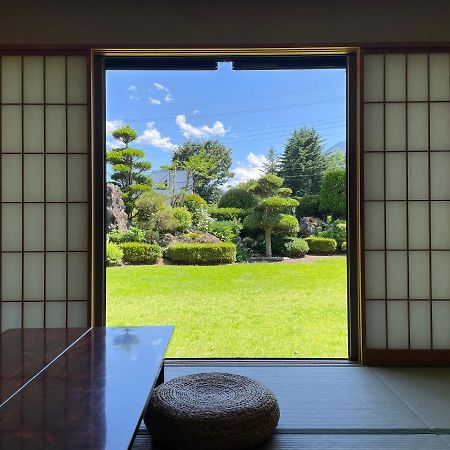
(230, 255)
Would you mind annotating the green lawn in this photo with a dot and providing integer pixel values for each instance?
(240, 310)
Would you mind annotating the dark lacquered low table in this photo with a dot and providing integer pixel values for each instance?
(77, 389)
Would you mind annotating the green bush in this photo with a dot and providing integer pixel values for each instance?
(296, 248)
(114, 254)
(238, 198)
(319, 244)
(225, 230)
(333, 193)
(337, 231)
(193, 202)
(183, 216)
(309, 207)
(227, 213)
(140, 253)
(220, 253)
(133, 234)
(344, 246)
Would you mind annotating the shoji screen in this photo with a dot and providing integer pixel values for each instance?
(44, 191)
(406, 177)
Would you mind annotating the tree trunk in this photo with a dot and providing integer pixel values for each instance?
(268, 238)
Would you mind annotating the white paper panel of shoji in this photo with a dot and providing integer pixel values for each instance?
(11, 129)
(11, 178)
(395, 77)
(374, 225)
(11, 79)
(55, 314)
(44, 183)
(419, 321)
(417, 126)
(11, 315)
(375, 324)
(375, 274)
(374, 176)
(33, 315)
(407, 158)
(440, 225)
(396, 225)
(417, 77)
(397, 321)
(395, 127)
(11, 277)
(373, 78)
(418, 176)
(439, 76)
(439, 128)
(373, 127)
(418, 225)
(396, 176)
(55, 275)
(440, 279)
(419, 275)
(440, 176)
(397, 275)
(441, 330)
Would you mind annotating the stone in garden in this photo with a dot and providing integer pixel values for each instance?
(116, 217)
(310, 226)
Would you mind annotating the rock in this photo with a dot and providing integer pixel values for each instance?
(207, 238)
(310, 226)
(116, 217)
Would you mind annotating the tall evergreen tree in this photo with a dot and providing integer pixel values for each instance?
(302, 163)
(272, 165)
(129, 169)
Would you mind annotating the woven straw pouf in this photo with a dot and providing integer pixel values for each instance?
(211, 411)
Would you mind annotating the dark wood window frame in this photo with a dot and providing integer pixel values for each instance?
(244, 60)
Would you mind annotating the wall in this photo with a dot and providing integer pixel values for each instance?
(230, 23)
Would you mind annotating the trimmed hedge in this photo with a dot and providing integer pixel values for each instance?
(227, 213)
(296, 248)
(140, 253)
(114, 254)
(321, 245)
(196, 254)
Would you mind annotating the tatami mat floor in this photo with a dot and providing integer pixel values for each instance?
(348, 407)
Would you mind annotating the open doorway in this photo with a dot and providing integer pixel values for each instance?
(248, 157)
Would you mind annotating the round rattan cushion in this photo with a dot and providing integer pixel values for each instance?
(212, 411)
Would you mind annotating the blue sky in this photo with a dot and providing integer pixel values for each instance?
(248, 111)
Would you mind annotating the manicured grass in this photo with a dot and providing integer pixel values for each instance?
(240, 310)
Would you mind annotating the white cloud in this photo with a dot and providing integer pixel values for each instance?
(154, 101)
(189, 130)
(132, 88)
(252, 169)
(169, 98)
(112, 125)
(195, 112)
(133, 97)
(160, 87)
(151, 136)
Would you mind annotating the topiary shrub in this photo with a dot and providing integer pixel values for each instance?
(225, 230)
(336, 231)
(114, 254)
(333, 193)
(193, 202)
(227, 213)
(133, 234)
(238, 198)
(183, 216)
(296, 248)
(198, 254)
(140, 253)
(309, 207)
(319, 244)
